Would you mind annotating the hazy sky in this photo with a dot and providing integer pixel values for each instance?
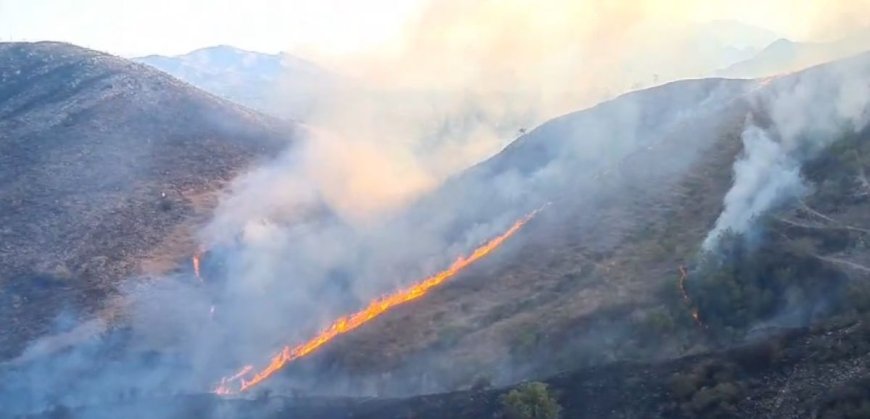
(137, 27)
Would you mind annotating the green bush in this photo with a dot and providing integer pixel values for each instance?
(713, 401)
(745, 282)
(709, 389)
(531, 401)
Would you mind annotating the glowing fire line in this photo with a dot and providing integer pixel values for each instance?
(373, 310)
(684, 275)
(195, 261)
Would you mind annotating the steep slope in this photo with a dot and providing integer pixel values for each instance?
(783, 56)
(616, 177)
(635, 186)
(104, 167)
(279, 84)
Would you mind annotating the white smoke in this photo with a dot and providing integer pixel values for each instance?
(808, 113)
(763, 177)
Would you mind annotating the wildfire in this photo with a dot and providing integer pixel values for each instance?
(374, 309)
(240, 374)
(684, 275)
(195, 260)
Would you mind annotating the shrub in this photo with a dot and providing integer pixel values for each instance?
(531, 401)
(746, 281)
(849, 402)
(683, 386)
(713, 401)
(707, 390)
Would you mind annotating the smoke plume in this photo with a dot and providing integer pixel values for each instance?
(464, 79)
(806, 114)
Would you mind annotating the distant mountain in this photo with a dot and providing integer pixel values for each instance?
(736, 34)
(783, 56)
(279, 84)
(724, 42)
(105, 165)
(692, 51)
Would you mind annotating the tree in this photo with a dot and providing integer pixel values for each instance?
(531, 401)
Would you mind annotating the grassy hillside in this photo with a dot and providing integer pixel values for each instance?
(598, 277)
(105, 167)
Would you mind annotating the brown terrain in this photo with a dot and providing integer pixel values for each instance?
(597, 282)
(106, 167)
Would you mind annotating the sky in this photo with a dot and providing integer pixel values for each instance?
(142, 27)
(335, 27)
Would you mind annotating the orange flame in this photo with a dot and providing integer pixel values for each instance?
(684, 275)
(374, 309)
(195, 261)
(240, 374)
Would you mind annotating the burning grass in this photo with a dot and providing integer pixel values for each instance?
(376, 308)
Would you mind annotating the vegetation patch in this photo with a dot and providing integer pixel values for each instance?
(531, 401)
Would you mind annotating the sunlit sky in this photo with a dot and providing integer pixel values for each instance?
(139, 27)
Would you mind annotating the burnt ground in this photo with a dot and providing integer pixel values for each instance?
(816, 372)
(792, 374)
(106, 167)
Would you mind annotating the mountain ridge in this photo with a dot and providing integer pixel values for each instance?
(784, 56)
(281, 85)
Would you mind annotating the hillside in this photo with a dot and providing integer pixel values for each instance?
(615, 177)
(278, 84)
(596, 277)
(106, 167)
(614, 295)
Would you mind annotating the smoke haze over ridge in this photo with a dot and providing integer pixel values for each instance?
(336, 220)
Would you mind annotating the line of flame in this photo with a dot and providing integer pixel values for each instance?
(684, 275)
(374, 309)
(195, 261)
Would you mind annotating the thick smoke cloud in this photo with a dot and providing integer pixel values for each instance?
(763, 177)
(465, 78)
(806, 115)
